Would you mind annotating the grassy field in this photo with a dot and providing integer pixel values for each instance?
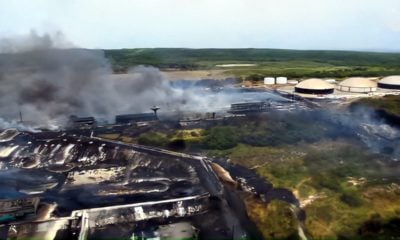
(390, 104)
(268, 62)
(334, 181)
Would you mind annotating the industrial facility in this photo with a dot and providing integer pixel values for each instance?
(353, 87)
(314, 86)
(107, 188)
(79, 122)
(269, 80)
(248, 107)
(357, 85)
(13, 209)
(278, 80)
(135, 118)
(179, 230)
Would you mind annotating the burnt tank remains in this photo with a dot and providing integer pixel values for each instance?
(104, 185)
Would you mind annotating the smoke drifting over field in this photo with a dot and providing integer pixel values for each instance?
(47, 84)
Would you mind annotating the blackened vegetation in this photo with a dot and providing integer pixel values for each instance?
(376, 228)
(386, 108)
(261, 188)
(60, 156)
(275, 130)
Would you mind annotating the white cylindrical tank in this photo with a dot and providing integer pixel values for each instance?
(269, 80)
(330, 80)
(281, 80)
(292, 82)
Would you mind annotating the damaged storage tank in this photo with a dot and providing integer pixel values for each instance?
(392, 82)
(314, 86)
(357, 85)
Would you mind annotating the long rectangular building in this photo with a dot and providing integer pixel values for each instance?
(11, 209)
(249, 107)
(134, 118)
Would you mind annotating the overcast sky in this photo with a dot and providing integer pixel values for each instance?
(294, 24)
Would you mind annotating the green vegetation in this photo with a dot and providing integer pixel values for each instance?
(341, 186)
(269, 62)
(192, 135)
(177, 140)
(266, 132)
(335, 178)
(153, 139)
(389, 104)
(276, 221)
(256, 132)
(332, 179)
(222, 137)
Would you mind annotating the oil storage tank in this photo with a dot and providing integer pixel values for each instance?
(392, 82)
(281, 80)
(269, 80)
(314, 86)
(357, 85)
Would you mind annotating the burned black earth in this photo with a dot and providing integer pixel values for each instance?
(91, 186)
(80, 172)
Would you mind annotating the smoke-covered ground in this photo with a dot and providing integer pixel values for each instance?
(375, 132)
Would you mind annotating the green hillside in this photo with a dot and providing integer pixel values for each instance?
(274, 62)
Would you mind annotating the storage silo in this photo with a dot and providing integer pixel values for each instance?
(357, 85)
(314, 86)
(392, 82)
(269, 80)
(332, 81)
(293, 82)
(281, 80)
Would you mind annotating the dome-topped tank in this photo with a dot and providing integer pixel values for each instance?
(314, 86)
(357, 85)
(392, 82)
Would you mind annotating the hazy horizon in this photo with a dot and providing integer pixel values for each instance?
(361, 25)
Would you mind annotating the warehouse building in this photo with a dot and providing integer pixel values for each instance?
(249, 107)
(357, 85)
(12, 209)
(314, 86)
(78, 122)
(392, 82)
(135, 118)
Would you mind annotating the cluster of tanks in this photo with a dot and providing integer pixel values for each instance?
(350, 86)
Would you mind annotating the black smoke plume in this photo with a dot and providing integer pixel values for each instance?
(47, 83)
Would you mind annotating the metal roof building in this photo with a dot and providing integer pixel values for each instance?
(10, 209)
(134, 118)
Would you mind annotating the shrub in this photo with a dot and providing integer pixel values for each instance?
(222, 137)
(153, 139)
(352, 199)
